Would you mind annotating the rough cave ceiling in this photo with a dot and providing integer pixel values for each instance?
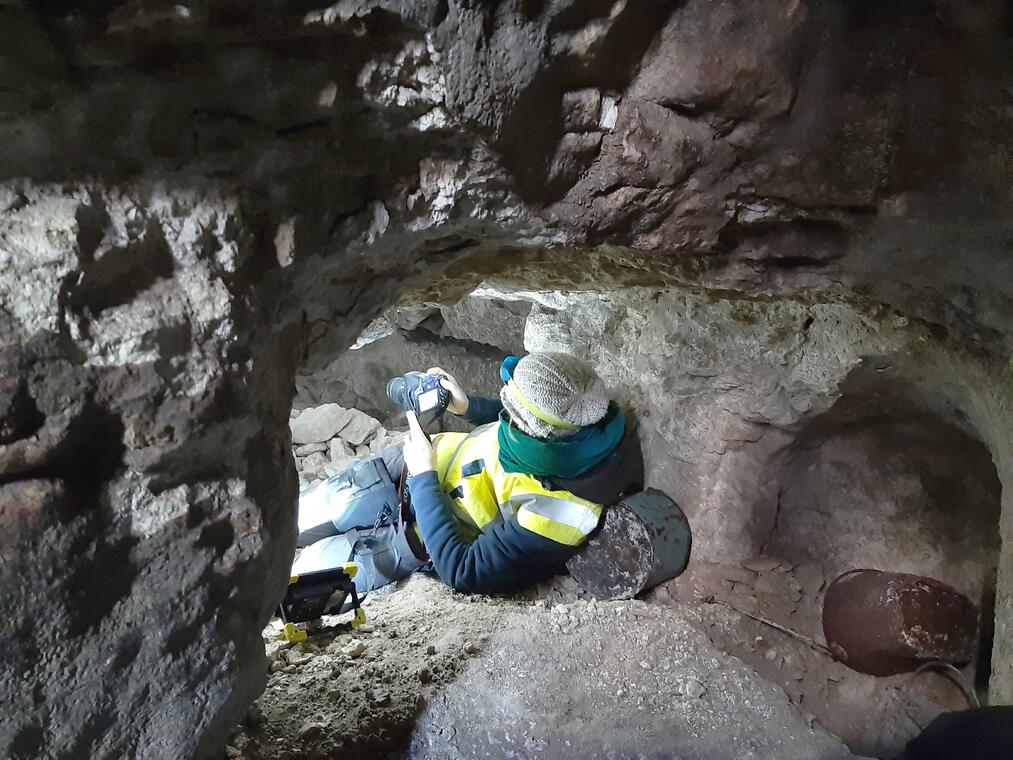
(198, 199)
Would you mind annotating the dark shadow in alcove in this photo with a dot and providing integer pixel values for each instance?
(894, 479)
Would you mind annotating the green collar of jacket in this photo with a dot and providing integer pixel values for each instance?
(568, 457)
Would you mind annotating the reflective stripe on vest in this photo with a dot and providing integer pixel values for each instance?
(483, 492)
(564, 521)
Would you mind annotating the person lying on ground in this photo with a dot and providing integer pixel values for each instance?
(494, 510)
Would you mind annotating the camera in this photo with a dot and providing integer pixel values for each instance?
(419, 393)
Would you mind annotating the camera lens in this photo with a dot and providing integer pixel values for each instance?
(396, 390)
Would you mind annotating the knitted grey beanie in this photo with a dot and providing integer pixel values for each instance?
(560, 386)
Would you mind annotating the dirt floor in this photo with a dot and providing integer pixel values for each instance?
(357, 694)
(767, 612)
(685, 674)
(436, 674)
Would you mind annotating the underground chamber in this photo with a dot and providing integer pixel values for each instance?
(725, 208)
(882, 479)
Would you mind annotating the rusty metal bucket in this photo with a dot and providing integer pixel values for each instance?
(645, 539)
(883, 623)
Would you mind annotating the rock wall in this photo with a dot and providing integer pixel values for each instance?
(198, 199)
(726, 388)
(137, 562)
(468, 339)
(359, 378)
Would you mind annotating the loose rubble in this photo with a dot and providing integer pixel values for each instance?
(357, 693)
(444, 675)
(329, 438)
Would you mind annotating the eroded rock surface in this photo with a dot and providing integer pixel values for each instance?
(442, 675)
(685, 700)
(136, 555)
(197, 200)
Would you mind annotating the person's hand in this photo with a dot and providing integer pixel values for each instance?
(419, 456)
(458, 398)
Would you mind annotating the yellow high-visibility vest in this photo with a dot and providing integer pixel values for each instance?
(482, 491)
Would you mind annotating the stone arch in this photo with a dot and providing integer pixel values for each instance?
(193, 204)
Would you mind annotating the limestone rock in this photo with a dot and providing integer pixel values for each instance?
(692, 688)
(359, 378)
(166, 575)
(581, 109)
(319, 424)
(340, 451)
(313, 465)
(309, 448)
(520, 659)
(379, 441)
(358, 427)
(355, 650)
(490, 317)
(311, 731)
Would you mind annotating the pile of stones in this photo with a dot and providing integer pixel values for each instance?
(327, 439)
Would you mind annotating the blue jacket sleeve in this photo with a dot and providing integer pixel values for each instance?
(482, 410)
(501, 558)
